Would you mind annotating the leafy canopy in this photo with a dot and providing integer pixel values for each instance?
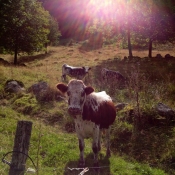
(24, 25)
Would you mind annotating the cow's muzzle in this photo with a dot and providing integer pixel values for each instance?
(74, 111)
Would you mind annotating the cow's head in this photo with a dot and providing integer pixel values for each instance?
(86, 69)
(77, 92)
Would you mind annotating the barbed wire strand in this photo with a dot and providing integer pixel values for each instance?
(84, 170)
(9, 163)
(88, 167)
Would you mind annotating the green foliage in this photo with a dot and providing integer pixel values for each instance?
(2, 82)
(54, 32)
(171, 91)
(122, 167)
(47, 96)
(24, 26)
(102, 28)
(25, 103)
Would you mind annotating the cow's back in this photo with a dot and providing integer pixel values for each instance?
(77, 72)
(99, 109)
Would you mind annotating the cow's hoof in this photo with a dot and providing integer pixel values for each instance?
(81, 164)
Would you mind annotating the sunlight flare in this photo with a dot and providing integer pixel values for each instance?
(102, 3)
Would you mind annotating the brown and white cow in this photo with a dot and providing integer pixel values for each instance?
(75, 72)
(92, 112)
(110, 75)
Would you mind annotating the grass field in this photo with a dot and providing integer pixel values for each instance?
(54, 145)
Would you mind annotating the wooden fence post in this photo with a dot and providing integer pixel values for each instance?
(21, 145)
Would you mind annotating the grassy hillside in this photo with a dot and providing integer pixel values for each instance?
(54, 145)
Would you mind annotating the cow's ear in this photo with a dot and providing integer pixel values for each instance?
(89, 90)
(62, 87)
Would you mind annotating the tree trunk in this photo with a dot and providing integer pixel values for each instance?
(16, 51)
(129, 43)
(15, 56)
(150, 48)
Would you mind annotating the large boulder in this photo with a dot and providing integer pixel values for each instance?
(167, 56)
(120, 106)
(14, 86)
(159, 56)
(39, 90)
(165, 111)
(44, 93)
(38, 87)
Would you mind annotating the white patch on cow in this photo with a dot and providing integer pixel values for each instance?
(86, 69)
(75, 97)
(84, 128)
(99, 97)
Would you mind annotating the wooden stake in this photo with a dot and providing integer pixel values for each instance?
(21, 147)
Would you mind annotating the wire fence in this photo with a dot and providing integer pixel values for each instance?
(35, 169)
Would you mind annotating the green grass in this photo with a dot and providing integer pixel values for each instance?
(55, 151)
(54, 145)
(123, 167)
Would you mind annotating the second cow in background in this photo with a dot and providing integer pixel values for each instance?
(110, 75)
(74, 72)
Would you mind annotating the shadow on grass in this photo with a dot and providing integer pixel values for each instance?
(27, 59)
(104, 164)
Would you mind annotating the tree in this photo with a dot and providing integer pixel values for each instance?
(71, 16)
(127, 14)
(128, 27)
(24, 26)
(54, 32)
(156, 22)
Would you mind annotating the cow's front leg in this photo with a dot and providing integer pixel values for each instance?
(63, 77)
(81, 148)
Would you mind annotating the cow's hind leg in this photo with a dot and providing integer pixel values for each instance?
(81, 147)
(95, 151)
(108, 151)
(95, 146)
(99, 141)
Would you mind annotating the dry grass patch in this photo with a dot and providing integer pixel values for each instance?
(56, 152)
